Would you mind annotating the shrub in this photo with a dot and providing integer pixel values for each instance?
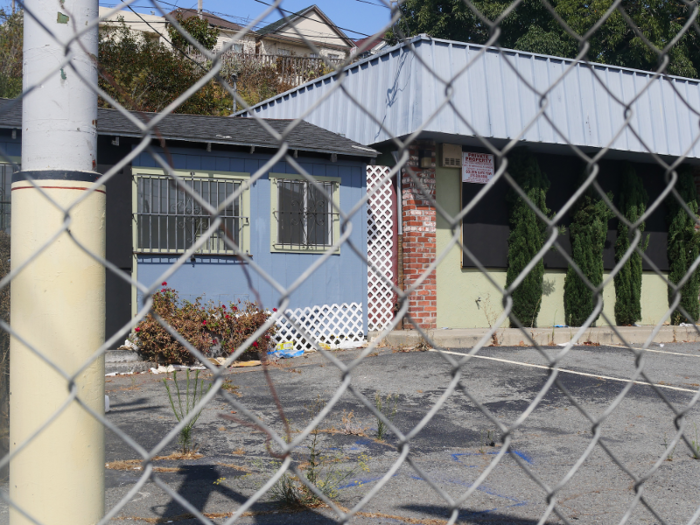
(628, 281)
(589, 230)
(683, 248)
(527, 235)
(211, 329)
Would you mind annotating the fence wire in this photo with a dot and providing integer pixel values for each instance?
(282, 444)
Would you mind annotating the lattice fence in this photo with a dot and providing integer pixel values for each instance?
(334, 326)
(380, 243)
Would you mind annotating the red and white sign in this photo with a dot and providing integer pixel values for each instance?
(477, 167)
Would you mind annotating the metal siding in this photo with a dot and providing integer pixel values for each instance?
(225, 279)
(401, 93)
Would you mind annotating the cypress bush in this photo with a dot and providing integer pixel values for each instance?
(683, 248)
(588, 231)
(527, 235)
(632, 203)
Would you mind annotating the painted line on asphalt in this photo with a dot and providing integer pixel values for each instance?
(656, 351)
(620, 379)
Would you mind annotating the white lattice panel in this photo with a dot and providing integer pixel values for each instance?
(380, 242)
(331, 325)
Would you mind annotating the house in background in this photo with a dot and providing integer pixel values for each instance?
(281, 221)
(280, 38)
(283, 37)
(372, 44)
(405, 94)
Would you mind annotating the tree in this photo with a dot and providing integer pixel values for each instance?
(527, 235)
(531, 27)
(198, 28)
(632, 203)
(684, 248)
(144, 75)
(588, 231)
(11, 39)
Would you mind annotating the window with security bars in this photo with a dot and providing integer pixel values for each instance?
(170, 220)
(6, 171)
(304, 214)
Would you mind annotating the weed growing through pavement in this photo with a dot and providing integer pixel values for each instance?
(323, 471)
(488, 439)
(231, 388)
(387, 407)
(349, 426)
(695, 443)
(422, 345)
(181, 412)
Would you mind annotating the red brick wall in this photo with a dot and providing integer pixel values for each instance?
(419, 243)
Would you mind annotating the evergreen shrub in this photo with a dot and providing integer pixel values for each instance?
(588, 231)
(527, 235)
(632, 203)
(683, 248)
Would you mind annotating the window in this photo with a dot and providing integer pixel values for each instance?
(334, 56)
(238, 48)
(313, 55)
(284, 52)
(170, 220)
(304, 219)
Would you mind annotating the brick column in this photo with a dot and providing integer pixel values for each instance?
(419, 243)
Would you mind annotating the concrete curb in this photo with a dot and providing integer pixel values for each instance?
(469, 337)
(125, 362)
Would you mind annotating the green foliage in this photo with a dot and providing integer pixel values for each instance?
(321, 470)
(632, 203)
(589, 229)
(387, 407)
(684, 247)
(527, 235)
(198, 28)
(530, 27)
(144, 75)
(186, 441)
(11, 39)
(204, 326)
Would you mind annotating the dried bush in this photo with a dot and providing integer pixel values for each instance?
(212, 329)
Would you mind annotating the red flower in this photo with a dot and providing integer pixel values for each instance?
(228, 316)
(274, 309)
(215, 341)
(234, 308)
(203, 323)
(223, 306)
(138, 329)
(255, 343)
(164, 283)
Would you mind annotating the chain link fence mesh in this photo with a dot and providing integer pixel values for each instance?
(211, 224)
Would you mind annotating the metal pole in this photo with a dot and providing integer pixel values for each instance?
(58, 300)
(199, 8)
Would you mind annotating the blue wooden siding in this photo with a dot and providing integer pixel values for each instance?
(10, 147)
(341, 279)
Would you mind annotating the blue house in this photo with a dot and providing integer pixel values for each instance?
(280, 220)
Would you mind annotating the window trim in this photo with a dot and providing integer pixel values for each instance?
(244, 238)
(274, 197)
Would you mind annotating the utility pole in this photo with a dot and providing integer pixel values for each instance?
(58, 300)
(199, 8)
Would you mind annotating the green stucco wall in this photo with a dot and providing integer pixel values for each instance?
(467, 299)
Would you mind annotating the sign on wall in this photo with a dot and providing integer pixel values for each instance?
(477, 168)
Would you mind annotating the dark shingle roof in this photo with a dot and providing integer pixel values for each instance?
(217, 130)
(215, 21)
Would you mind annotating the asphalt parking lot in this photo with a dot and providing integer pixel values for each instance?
(453, 449)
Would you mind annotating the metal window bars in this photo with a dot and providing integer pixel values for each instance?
(304, 215)
(170, 220)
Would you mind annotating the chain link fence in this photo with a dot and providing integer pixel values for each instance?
(431, 182)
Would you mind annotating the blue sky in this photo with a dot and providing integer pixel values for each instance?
(356, 17)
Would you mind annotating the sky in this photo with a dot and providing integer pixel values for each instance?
(358, 18)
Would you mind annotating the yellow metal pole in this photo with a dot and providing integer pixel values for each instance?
(57, 301)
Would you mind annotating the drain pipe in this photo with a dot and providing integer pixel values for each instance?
(399, 213)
